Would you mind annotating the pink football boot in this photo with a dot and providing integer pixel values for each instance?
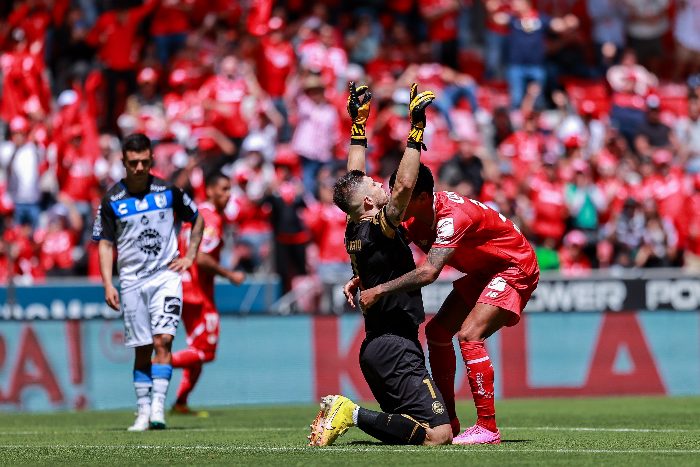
(478, 435)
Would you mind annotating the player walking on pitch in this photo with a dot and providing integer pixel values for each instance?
(501, 274)
(139, 214)
(199, 314)
(391, 357)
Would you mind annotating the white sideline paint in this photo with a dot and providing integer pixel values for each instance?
(281, 429)
(379, 449)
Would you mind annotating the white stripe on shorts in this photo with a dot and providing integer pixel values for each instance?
(478, 360)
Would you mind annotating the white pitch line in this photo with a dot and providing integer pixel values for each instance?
(282, 429)
(378, 449)
(611, 430)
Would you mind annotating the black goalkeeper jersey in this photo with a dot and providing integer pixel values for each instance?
(379, 253)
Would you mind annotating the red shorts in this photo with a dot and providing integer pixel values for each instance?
(202, 326)
(509, 289)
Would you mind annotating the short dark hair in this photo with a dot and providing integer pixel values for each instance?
(424, 182)
(138, 142)
(213, 178)
(345, 188)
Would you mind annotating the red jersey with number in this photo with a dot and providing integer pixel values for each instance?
(486, 242)
(198, 285)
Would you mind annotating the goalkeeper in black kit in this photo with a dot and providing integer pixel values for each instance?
(391, 357)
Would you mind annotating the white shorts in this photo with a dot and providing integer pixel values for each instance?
(152, 307)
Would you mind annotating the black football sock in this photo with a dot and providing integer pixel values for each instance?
(390, 428)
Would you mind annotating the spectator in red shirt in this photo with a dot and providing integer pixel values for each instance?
(496, 37)
(222, 97)
(549, 211)
(76, 173)
(573, 261)
(58, 241)
(276, 62)
(327, 223)
(442, 17)
(169, 28)
(115, 35)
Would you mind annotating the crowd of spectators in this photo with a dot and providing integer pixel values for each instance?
(571, 117)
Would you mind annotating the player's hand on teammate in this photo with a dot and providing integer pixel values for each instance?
(416, 112)
(180, 264)
(358, 108)
(350, 289)
(112, 297)
(368, 298)
(236, 277)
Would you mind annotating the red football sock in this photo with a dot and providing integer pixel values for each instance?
(443, 364)
(190, 375)
(186, 358)
(480, 374)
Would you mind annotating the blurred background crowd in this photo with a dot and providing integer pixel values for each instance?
(577, 119)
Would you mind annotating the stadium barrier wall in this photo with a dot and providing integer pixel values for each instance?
(58, 364)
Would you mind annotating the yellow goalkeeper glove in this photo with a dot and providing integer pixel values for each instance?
(358, 109)
(416, 113)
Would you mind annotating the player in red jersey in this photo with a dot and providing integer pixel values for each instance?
(199, 312)
(501, 274)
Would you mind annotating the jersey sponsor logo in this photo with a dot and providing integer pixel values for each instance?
(438, 408)
(117, 196)
(150, 242)
(161, 200)
(150, 202)
(172, 305)
(445, 231)
(97, 226)
(452, 196)
(498, 284)
(142, 204)
(123, 208)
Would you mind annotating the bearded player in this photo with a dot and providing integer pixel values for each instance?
(199, 314)
(501, 274)
(391, 357)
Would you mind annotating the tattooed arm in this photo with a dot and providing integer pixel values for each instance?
(423, 275)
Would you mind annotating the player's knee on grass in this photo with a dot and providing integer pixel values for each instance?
(391, 428)
(439, 435)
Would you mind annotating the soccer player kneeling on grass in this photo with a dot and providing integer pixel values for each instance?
(140, 214)
(391, 358)
(199, 314)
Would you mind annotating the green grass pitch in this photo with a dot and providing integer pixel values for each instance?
(616, 431)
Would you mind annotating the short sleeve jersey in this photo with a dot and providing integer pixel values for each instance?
(143, 226)
(197, 284)
(379, 253)
(486, 242)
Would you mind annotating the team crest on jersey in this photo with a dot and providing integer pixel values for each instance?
(150, 242)
(438, 408)
(161, 200)
(445, 230)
